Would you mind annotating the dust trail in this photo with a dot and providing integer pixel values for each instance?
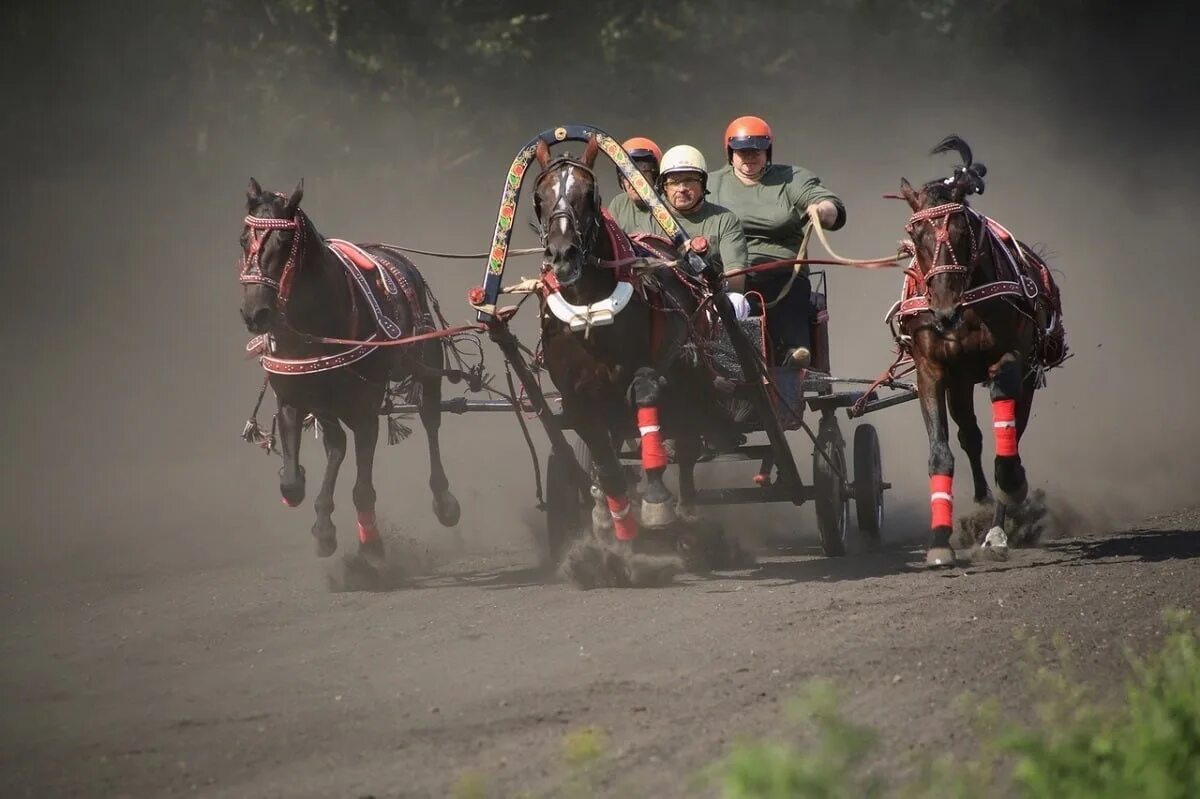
(125, 395)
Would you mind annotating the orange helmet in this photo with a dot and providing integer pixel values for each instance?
(748, 133)
(641, 147)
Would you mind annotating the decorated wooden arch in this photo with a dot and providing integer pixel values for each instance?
(498, 254)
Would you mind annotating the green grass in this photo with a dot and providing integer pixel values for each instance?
(1147, 745)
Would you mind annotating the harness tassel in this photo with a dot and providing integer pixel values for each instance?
(397, 430)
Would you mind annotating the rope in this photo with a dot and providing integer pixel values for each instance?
(876, 263)
(399, 342)
(451, 255)
(798, 267)
(815, 228)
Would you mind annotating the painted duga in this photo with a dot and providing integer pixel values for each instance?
(978, 307)
(299, 286)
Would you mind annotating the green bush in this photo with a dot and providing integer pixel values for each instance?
(1146, 746)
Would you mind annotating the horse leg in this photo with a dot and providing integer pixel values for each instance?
(687, 450)
(645, 393)
(323, 529)
(960, 398)
(445, 505)
(291, 474)
(366, 437)
(613, 511)
(1007, 393)
(931, 387)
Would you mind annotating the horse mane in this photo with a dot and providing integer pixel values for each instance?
(938, 192)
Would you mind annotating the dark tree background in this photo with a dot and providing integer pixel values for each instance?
(94, 82)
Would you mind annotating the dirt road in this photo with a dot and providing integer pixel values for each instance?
(251, 679)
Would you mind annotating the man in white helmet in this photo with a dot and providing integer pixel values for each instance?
(683, 180)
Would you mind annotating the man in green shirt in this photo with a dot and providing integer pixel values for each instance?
(772, 201)
(683, 177)
(627, 209)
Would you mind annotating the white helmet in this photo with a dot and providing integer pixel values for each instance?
(683, 158)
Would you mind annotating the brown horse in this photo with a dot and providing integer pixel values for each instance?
(298, 286)
(637, 374)
(979, 307)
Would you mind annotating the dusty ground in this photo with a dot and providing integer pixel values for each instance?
(250, 679)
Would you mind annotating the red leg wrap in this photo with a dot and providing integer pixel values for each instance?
(625, 526)
(941, 498)
(367, 531)
(653, 454)
(1004, 422)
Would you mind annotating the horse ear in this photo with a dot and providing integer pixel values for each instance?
(293, 202)
(253, 192)
(906, 191)
(543, 153)
(590, 152)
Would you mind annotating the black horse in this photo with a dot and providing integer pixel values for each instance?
(297, 287)
(979, 307)
(636, 375)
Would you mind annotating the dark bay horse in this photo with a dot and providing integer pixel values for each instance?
(298, 285)
(637, 375)
(979, 307)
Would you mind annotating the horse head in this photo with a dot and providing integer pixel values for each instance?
(566, 200)
(272, 243)
(946, 234)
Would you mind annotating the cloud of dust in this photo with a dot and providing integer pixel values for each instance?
(128, 389)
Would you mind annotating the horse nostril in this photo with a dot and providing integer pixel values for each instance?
(260, 319)
(948, 318)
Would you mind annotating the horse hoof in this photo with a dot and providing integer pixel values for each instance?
(687, 513)
(326, 546)
(995, 545)
(447, 509)
(939, 557)
(372, 552)
(657, 514)
(996, 538)
(292, 495)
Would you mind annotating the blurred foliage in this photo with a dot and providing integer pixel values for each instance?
(206, 71)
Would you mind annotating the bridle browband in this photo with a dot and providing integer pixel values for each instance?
(938, 218)
(251, 266)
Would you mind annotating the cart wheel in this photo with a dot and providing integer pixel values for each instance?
(566, 505)
(832, 502)
(868, 482)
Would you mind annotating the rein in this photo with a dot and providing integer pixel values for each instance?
(815, 229)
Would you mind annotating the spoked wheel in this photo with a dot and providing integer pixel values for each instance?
(868, 482)
(830, 495)
(567, 505)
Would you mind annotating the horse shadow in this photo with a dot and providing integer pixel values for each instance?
(1138, 545)
(1145, 546)
(796, 564)
(793, 564)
